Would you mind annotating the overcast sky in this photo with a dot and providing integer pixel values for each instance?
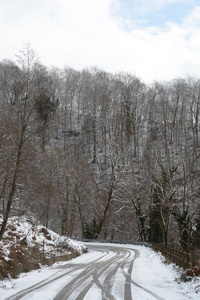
(153, 39)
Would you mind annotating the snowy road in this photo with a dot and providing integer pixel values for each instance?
(112, 272)
(108, 276)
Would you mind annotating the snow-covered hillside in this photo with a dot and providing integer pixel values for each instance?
(26, 245)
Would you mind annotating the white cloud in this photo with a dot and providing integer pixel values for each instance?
(170, 52)
(164, 2)
(83, 33)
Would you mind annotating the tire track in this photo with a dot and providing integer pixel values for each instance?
(99, 273)
(50, 279)
(98, 270)
(129, 281)
(106, 288)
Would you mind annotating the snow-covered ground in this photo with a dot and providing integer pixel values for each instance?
(151, 278)
(20, 230)
(151, 271)
(27, 244)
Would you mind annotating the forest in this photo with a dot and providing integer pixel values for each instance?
(98, 155)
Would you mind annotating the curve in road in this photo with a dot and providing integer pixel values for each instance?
(107, 275)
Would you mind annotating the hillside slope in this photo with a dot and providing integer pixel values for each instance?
(26, 245)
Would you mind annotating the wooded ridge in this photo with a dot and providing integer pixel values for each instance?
(97, 155)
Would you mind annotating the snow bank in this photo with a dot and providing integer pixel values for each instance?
(24, 239)
(153, 273)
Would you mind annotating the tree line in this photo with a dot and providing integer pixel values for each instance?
(94, 154)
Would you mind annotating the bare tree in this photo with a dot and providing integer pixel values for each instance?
(24, 122)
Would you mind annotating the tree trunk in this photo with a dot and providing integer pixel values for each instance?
(3, 190)
(13, 186)
(105, 212)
